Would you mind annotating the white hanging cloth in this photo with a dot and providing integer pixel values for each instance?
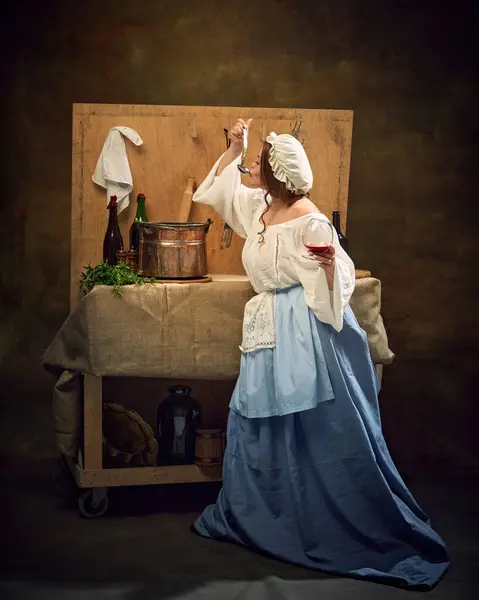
(112, 170)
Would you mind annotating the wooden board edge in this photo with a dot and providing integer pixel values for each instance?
(345, 169)
(175, 109)
(78, 159)
(146, 476)
(93, 421)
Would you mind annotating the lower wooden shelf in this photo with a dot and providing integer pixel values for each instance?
(92, 478)
(89, 471)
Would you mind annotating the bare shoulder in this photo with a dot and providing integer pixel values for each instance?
(304, 207)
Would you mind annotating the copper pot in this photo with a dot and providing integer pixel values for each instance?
(173, 250)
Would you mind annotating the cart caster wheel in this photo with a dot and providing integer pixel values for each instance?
(94, 503)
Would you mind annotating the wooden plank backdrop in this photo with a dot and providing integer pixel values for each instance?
(182, 142)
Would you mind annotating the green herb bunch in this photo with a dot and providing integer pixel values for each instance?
(114, 276)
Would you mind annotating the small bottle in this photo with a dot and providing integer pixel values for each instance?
(113, 242)
(337, 225)
(140, 217)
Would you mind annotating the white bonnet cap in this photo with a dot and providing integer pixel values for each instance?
(289, 162)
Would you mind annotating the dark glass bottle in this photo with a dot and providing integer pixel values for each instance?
(113, 242)
(177, 419)
(140, 217)
(337, 225)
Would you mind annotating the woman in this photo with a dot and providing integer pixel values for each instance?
(307, 476)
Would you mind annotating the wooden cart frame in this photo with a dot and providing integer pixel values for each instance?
(94, 481)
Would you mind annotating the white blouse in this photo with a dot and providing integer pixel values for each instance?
(280, 262)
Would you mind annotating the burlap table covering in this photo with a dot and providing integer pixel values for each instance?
(190, 331)
(178, 330)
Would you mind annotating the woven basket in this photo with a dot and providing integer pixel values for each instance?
(128, 440)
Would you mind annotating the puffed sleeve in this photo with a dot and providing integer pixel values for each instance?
(229, 197)
(328, 305)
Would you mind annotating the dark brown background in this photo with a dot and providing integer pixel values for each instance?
(405, 68)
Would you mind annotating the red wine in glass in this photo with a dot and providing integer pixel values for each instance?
(317, 249)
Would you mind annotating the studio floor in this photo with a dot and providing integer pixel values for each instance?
(143, 548)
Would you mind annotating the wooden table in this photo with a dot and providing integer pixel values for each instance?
(93, 479)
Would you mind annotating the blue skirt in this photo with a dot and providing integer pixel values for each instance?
(318, 488)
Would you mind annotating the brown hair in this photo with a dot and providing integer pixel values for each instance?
(273, 186)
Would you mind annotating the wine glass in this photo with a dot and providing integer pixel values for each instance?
(317, 238)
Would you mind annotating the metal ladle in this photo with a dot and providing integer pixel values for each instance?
(241, 167)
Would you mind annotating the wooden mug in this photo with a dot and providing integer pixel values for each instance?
(209, 448)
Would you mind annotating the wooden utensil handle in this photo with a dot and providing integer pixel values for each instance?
(186, 201)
